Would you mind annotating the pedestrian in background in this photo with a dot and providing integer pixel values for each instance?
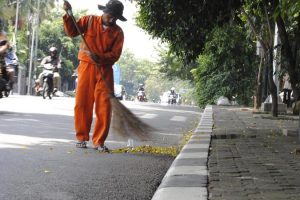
(287, 90)
(104, 39)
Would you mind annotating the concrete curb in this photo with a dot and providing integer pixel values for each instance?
(187, 176)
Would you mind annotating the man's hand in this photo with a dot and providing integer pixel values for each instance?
(67, 6)
(95, 58)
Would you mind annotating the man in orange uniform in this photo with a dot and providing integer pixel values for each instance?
(103, 47)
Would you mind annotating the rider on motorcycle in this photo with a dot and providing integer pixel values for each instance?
(4, 45)
(12, 63)
(54, 60)
(141, 88)
(141, 93)
(172, 96)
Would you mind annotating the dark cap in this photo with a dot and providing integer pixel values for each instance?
(115, 8)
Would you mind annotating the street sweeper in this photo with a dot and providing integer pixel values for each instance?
(101, 47)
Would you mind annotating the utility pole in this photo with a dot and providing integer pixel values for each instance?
(37, 35)
(16, 26)
(33, 49)
(31, 59)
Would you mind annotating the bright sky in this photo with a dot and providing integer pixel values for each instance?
(136, 40)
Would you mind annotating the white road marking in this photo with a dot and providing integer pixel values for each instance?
(178, 118)
(167, 134)
(148, 116)
(20, 119)
(116, 142)
(21, 141)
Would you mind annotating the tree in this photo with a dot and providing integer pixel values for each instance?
(221, 72)
(128, 65)
(184, 24)
(287, 16)
(262, 16)
(173, 67)
(52, 34)
(259, 16)
(155, 91)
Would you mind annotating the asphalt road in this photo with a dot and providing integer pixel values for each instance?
(38, 159)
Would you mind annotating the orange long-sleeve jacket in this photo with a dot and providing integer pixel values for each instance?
(106, 43)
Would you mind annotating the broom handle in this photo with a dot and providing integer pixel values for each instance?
(69, 12)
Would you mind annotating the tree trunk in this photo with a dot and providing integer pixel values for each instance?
(258, 99)
(289, 56)
(272, 86)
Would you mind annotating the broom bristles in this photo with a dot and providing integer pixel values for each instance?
(126, 124)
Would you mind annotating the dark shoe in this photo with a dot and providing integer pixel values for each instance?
(102, 149)
(81, 144)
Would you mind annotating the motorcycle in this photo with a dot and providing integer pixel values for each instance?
(141, 96)
(172, 99)
(7, 72)
(4, 83)
(12, 63)
(48, 75)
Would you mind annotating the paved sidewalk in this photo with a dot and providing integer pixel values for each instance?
(250, 158)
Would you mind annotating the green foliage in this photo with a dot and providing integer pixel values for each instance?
(135, 71)
(289, 10)
(173, 67)
(261, 16)
(52, 34)
(128, 65)
(155, 90)
(5, 11)
(184, 24)
(226, 67)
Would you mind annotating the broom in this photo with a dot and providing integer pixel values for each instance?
(126, 124)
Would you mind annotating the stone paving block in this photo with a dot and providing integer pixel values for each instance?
(199, 130)
(192, 155)
(184, 181)
(193, 146)
(180, 193)
(190, 162)
(203, 141)
(289, 132)
(200, 138)
(195, 150)
(202, 134)
(206, 123)
(209, 127)
(187, 170)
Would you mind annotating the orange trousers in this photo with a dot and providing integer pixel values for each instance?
(91, 90)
